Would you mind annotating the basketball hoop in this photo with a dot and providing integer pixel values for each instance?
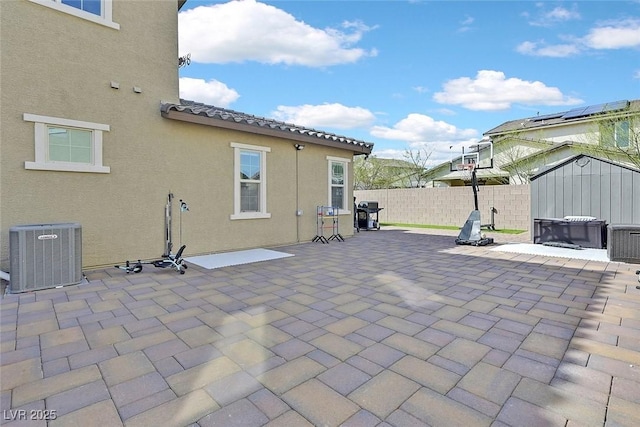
(466, 169)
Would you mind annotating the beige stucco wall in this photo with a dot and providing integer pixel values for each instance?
(452, 205)
(61, 73)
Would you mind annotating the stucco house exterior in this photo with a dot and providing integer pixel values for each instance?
(524, 147)
(93, 131)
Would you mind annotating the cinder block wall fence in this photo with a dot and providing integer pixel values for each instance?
(452, 205)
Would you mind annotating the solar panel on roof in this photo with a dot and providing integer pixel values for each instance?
(615, 106)
(576, 112)
(547, 117)
(594, 109)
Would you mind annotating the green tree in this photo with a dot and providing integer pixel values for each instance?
(415, 171)
(616, 139)
(370, 173)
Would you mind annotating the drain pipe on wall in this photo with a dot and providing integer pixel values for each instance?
(298, 147)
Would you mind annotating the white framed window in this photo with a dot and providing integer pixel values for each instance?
(615, 133)
(98, 11)
(67, 145)
(339, 183)
(250, 181)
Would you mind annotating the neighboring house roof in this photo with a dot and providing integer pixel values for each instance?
(195, 112)
(580, 114)
(574, 158)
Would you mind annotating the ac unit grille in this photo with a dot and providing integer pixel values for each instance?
(45, 256)
(624, 243)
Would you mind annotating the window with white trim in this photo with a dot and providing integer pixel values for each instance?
(67, 145)
(250, 181)
(98, 11)
(615, 133)
(338, 183)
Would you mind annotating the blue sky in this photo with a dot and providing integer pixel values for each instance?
(409, 75)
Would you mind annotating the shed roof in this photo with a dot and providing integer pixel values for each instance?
(195, 112)
(576, 157)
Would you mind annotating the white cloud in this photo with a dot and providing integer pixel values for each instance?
(210, 92)
(492, 91)
(562, 14)
(540, 49)
(468, 20)
(419, 128)
(620, 34)
(636, 74)
(336, 116)
(614, 35)
(557, 15)
(441, 151)
(465, 25)
(418, 131)
(247, 30)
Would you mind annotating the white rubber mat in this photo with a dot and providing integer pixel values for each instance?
(533, 249)
(235, 258)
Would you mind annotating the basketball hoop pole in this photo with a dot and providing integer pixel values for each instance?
(474, 185)
(470, 169)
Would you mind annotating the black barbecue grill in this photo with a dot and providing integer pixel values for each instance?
(368, 216)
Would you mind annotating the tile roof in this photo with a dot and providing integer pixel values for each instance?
(222, 117)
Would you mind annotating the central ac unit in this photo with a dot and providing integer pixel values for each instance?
(44, 256)
(624, 243)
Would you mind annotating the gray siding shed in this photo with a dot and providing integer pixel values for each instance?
(587, 186)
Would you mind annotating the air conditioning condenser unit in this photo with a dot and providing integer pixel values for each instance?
(624, 243)
(44, 256)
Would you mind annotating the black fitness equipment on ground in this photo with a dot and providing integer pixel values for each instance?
(168, 260)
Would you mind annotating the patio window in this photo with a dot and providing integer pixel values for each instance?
(250, 183)
(98, 11)
(338, 183)
(67, 145)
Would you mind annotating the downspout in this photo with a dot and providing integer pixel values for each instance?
(298, 147)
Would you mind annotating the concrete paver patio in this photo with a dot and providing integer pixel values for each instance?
(391, 328)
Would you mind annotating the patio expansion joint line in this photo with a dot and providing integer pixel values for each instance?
(606, 408)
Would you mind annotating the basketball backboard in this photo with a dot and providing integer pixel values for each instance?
(479, 153)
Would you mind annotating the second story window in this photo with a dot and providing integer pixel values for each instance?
(615, 134)
(98, 11)
(91, 6)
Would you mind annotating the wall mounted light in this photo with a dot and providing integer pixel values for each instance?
(299, 147)
(115, 85)
(137, 89)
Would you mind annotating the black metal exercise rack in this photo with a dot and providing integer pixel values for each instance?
(327, 218)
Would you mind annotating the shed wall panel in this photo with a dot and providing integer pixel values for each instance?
(597, 188)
